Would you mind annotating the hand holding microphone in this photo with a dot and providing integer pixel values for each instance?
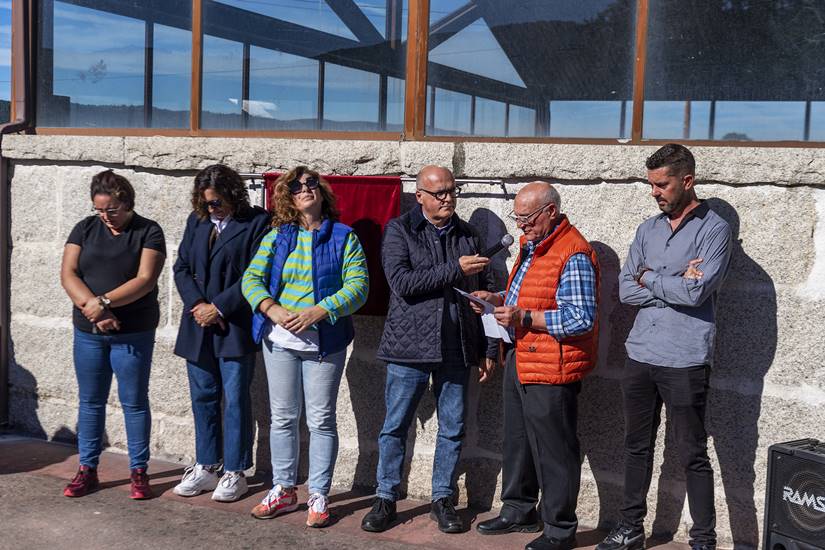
(474, 264)
(505, 242)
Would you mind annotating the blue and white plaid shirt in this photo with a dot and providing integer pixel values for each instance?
(575, 296)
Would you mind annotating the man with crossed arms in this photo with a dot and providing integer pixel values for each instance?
(673, 272)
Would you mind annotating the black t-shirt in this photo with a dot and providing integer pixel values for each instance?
(107, 261)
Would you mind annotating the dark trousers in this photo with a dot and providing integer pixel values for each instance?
(541, 451)
(684, 393)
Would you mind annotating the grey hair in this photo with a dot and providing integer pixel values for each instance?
(550, 195)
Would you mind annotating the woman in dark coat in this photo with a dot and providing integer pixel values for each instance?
(222, 234)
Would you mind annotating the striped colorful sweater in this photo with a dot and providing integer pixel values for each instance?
(296, 291)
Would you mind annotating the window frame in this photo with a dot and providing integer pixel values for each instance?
(415, 98)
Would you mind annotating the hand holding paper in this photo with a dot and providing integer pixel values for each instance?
(491, 327)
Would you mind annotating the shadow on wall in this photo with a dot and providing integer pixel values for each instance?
(601, 424)
(745, 348)
(24, 419)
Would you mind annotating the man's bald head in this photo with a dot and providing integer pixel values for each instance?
(433, 174)
(539, 204)
(539, 193)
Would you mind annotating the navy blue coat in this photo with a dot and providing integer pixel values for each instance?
(216, 278)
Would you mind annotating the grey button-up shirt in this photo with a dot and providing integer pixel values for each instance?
(676, 324)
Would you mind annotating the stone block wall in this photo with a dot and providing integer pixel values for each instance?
(768, 382)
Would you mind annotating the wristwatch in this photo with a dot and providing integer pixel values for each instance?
(527, 319)
(104, 301)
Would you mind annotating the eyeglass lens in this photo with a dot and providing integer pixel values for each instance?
(216, 203)
(295, 186)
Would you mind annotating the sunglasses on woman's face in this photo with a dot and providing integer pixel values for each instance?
(296, 185)
(216, 203)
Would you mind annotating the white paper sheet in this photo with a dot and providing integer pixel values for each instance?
(491, 327)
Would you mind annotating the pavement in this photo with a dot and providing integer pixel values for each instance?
(35, 514)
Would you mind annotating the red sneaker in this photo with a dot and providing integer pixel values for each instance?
(85, 481)
(140, 485)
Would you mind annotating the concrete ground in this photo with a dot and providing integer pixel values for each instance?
(34, 514)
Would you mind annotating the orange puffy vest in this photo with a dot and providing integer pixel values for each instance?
(540, 358)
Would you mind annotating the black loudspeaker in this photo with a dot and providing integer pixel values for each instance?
(795, 498)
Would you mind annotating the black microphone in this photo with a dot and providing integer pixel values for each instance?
(505, 242)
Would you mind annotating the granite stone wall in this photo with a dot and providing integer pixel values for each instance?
(768, 381)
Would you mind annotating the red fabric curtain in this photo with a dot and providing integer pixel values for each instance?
(366, 204)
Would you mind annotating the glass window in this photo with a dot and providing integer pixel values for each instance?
(5, 62)
(222, 91)
(304, 64)
(113, 64)
(283, 91)
(561, 69)
(590, 119)
(350, 98)
(521, 121)
(754, 74)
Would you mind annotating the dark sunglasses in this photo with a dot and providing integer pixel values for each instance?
(216, 203)
(296, 186)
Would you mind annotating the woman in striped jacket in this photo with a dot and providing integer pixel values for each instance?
(306, 280)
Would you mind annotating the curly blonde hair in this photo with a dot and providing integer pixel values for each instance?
(283, 208)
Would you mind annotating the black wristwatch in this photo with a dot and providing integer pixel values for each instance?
(527, 319)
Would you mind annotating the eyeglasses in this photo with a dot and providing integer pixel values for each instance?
(442, 195)
(530, 218)
(215, 203)
(296, 186)
(108, 211)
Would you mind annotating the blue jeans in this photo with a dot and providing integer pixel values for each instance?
(129, 357)
(405, 386)
(213, 380)
(296, 377)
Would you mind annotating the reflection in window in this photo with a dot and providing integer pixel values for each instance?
(755, 76)
(303, 64)
(113, 67)
(395, 104)
(350, 97)
(571, 58)
(222, 92)
(283, 90)
(450, 114)
(5, 62)
(490, 118)
(171, 75)
(590, 119)
(521, 121)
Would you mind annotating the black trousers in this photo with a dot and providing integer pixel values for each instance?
(541, 452)
(684, 392)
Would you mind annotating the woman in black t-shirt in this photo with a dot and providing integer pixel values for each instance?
(111, 264)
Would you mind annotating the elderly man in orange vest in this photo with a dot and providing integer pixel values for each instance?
(549, 308)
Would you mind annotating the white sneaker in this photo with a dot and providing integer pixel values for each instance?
(231, 487)
(196, 479)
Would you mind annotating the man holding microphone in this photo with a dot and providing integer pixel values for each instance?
(430, 333)
(549, 308)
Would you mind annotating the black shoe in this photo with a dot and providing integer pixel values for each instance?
(379, 518)
(443, 512)
(499, 526)
(702, 546)
(548, 543)
(623, 537)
